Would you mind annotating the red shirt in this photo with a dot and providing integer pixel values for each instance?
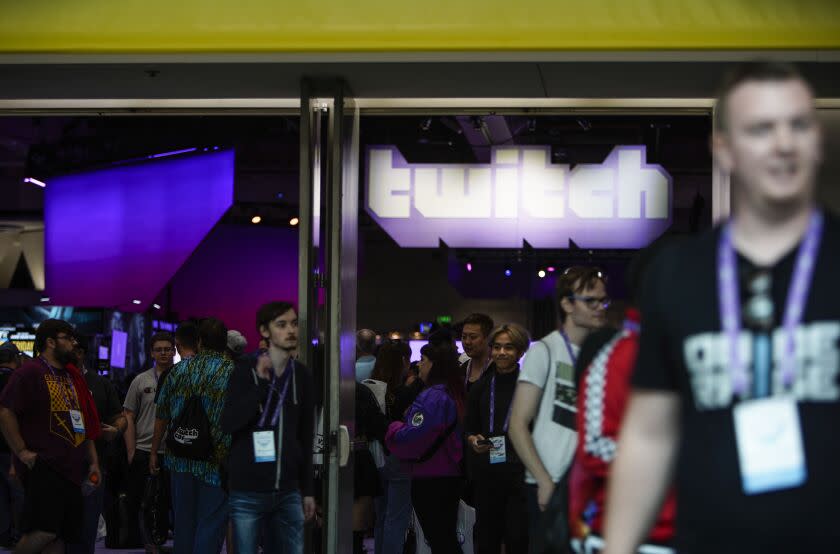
(42, 399)
(602, 399)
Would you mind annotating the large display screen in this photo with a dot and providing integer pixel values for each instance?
(116, 235)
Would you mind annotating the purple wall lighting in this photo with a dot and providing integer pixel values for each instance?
(234, 271)
(621, 203)
(119, 234)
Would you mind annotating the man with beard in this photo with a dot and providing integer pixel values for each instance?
(269, 411)
(50, 422)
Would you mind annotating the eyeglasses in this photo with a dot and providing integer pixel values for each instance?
(593, 302)
(163, 350)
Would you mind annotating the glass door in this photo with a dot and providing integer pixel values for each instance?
(328, 258)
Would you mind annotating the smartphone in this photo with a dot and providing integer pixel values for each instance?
(485, 442)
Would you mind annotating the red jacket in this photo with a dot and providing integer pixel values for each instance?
(602, 398)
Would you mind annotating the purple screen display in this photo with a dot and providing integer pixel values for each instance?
(623, 202)
(119, 234)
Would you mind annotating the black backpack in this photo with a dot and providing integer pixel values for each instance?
(189, 434)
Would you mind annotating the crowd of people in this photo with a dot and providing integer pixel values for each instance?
(703, 423)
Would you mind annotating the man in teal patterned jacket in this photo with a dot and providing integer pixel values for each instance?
(198, 498)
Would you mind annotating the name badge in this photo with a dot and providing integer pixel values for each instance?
(769, 440)
(498, 452)
(77, 421)
(264, 450)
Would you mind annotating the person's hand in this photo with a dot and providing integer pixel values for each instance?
(308, 507)
(264, 366)
(410, 379)
(544, 491)
(27, 457)
(94, 475)
(478, 448)
(109, 433)
(154, 469)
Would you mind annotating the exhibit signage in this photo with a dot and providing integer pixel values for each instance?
(623, 202)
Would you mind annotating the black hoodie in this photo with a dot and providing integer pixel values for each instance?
(246, 398)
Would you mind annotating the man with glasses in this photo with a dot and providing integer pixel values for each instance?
(546, 393)
(139, 409)
(736, 391)
(50, 423)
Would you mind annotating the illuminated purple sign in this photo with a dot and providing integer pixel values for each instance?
(622, 203)
(117, 235)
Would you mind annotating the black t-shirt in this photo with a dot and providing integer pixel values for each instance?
(107, 404)
(477, 418)
(684, 349)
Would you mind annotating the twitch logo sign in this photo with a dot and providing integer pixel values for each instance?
(520, 196)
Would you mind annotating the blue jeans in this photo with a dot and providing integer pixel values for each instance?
(393, 512)
(277, 516)
(93, 509)
(201, 513)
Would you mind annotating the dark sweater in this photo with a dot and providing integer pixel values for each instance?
(240, 418)
(477, 417)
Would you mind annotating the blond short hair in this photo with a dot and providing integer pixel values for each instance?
(518, 336)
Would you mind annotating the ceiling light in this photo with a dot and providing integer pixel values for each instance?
(469, 266)
(508, 272)
(550, 269)
(256, 219)
(156, 306)
(135, 302)
(541, 273)
(45, 299)
(294, 221)
(34, 181)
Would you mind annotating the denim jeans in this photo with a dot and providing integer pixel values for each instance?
(393, 512)
(201, 513)
(278, 517)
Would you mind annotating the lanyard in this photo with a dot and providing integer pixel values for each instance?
(469, 370)
(569, 347)
(280, 400)
(730, 302)
(61, 384)
(493, 407)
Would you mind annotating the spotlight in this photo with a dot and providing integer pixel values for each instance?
(469, 266)
(45, 299)
(137, 302)
(35, 181)
(256, 219)
(550, 269)
(156, 306)
(508, 272)
(294, 221)
(541, 273)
